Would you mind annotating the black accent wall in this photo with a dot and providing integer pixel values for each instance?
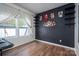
(63, 32)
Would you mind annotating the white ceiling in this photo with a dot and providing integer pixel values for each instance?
(39, 7)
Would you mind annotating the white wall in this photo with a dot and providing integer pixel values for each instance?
(76, 29)
(19, 40)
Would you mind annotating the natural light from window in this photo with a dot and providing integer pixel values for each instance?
(12, 22)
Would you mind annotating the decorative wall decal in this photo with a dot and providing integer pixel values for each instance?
(60, 14)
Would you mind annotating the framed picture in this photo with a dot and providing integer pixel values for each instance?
(60, 14)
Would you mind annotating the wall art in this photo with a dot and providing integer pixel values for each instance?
(60, 14)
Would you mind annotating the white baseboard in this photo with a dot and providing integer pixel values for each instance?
(76, 52)
(60, 46)
(55, 44)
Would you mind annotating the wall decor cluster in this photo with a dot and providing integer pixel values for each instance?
(48, 20)
(56, 25)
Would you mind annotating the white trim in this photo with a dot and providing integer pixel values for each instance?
(76, 52)
(17, 31)
(76, 30)
(56, 44)
(76, 27)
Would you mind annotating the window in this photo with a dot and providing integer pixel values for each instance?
(2, 34)
(22, 31)
(14, 22)
(24, 25)
(7, 28)
(10, 32)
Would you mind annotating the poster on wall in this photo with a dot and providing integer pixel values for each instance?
(49, 21)
(60, 14)
(46, 17)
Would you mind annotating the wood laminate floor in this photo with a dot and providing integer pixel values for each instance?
(36, 48)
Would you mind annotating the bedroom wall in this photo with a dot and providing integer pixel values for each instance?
(60, 34)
